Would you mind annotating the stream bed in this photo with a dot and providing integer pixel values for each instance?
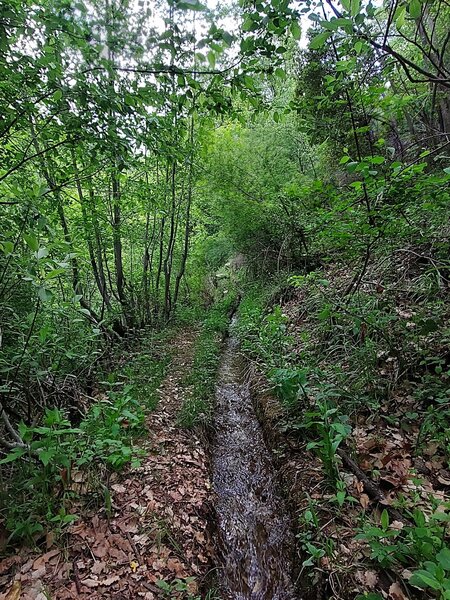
(253, 524)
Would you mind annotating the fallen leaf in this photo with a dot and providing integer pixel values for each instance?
(119, 488)
(14, 592)
(90, 583)
(431, 449)
(43, 560)
(396, 592)
(49, 539)
(364, 500)
(368, 579)
(133, 566)
(98, 567)
(110, 580)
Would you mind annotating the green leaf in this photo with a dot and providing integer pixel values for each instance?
(358, 47)
(423, 579)
(443, 558)
(8, 247)
(57, 95)
(31, 241)
(248, 23)
(296, 30)
(415, 9)
(44, 294)
(227, 38)
(163, 585)
(42, 253)
(355, 7)
(211, 59)
(319, 40)
(340, 497)
(280, 73)
(330, 25)
(54, 273)
(45, 456)
(399, 16)
(190, 5)
(385, 519)
(14, 455)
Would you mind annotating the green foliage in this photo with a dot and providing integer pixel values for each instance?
(138, 164)
(198, 407)
(329, 430)
(180, 588)
(264, 336)
(313, 545)
(422, 544)
(41, 477)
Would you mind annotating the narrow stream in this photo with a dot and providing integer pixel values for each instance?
(253, 524)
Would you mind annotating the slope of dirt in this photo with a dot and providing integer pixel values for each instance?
(154, 531)
(392, 467)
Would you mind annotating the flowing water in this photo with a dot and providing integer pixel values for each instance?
(253, 524)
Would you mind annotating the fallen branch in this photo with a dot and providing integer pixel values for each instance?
(370, 487)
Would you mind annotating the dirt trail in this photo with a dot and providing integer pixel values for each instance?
(157, 525)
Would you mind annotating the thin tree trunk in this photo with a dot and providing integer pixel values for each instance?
(95, 267)
(76, 283)
(168, 261)
(187, 226)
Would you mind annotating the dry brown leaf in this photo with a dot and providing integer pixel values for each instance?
(110, 580)
(14, 592)
(41, 561)
(431, 448)
(90, 583)
(371, 579)
(7, 563)
(119, 488)
(368, 579)
(176, 567)
(98, 567)
(101, 549)
(396, 592)
(364, 500)
(38, 573)
(49, 539)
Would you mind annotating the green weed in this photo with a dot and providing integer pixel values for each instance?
(201, 382)
(40, 472)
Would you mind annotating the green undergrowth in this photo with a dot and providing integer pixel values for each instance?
(200, 384)
(44, 484)
(377, 356)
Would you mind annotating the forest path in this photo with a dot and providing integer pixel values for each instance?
(156, 530)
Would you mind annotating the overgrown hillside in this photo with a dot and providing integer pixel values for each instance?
(162, 160)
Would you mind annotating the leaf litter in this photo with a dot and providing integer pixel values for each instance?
(156, 529)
